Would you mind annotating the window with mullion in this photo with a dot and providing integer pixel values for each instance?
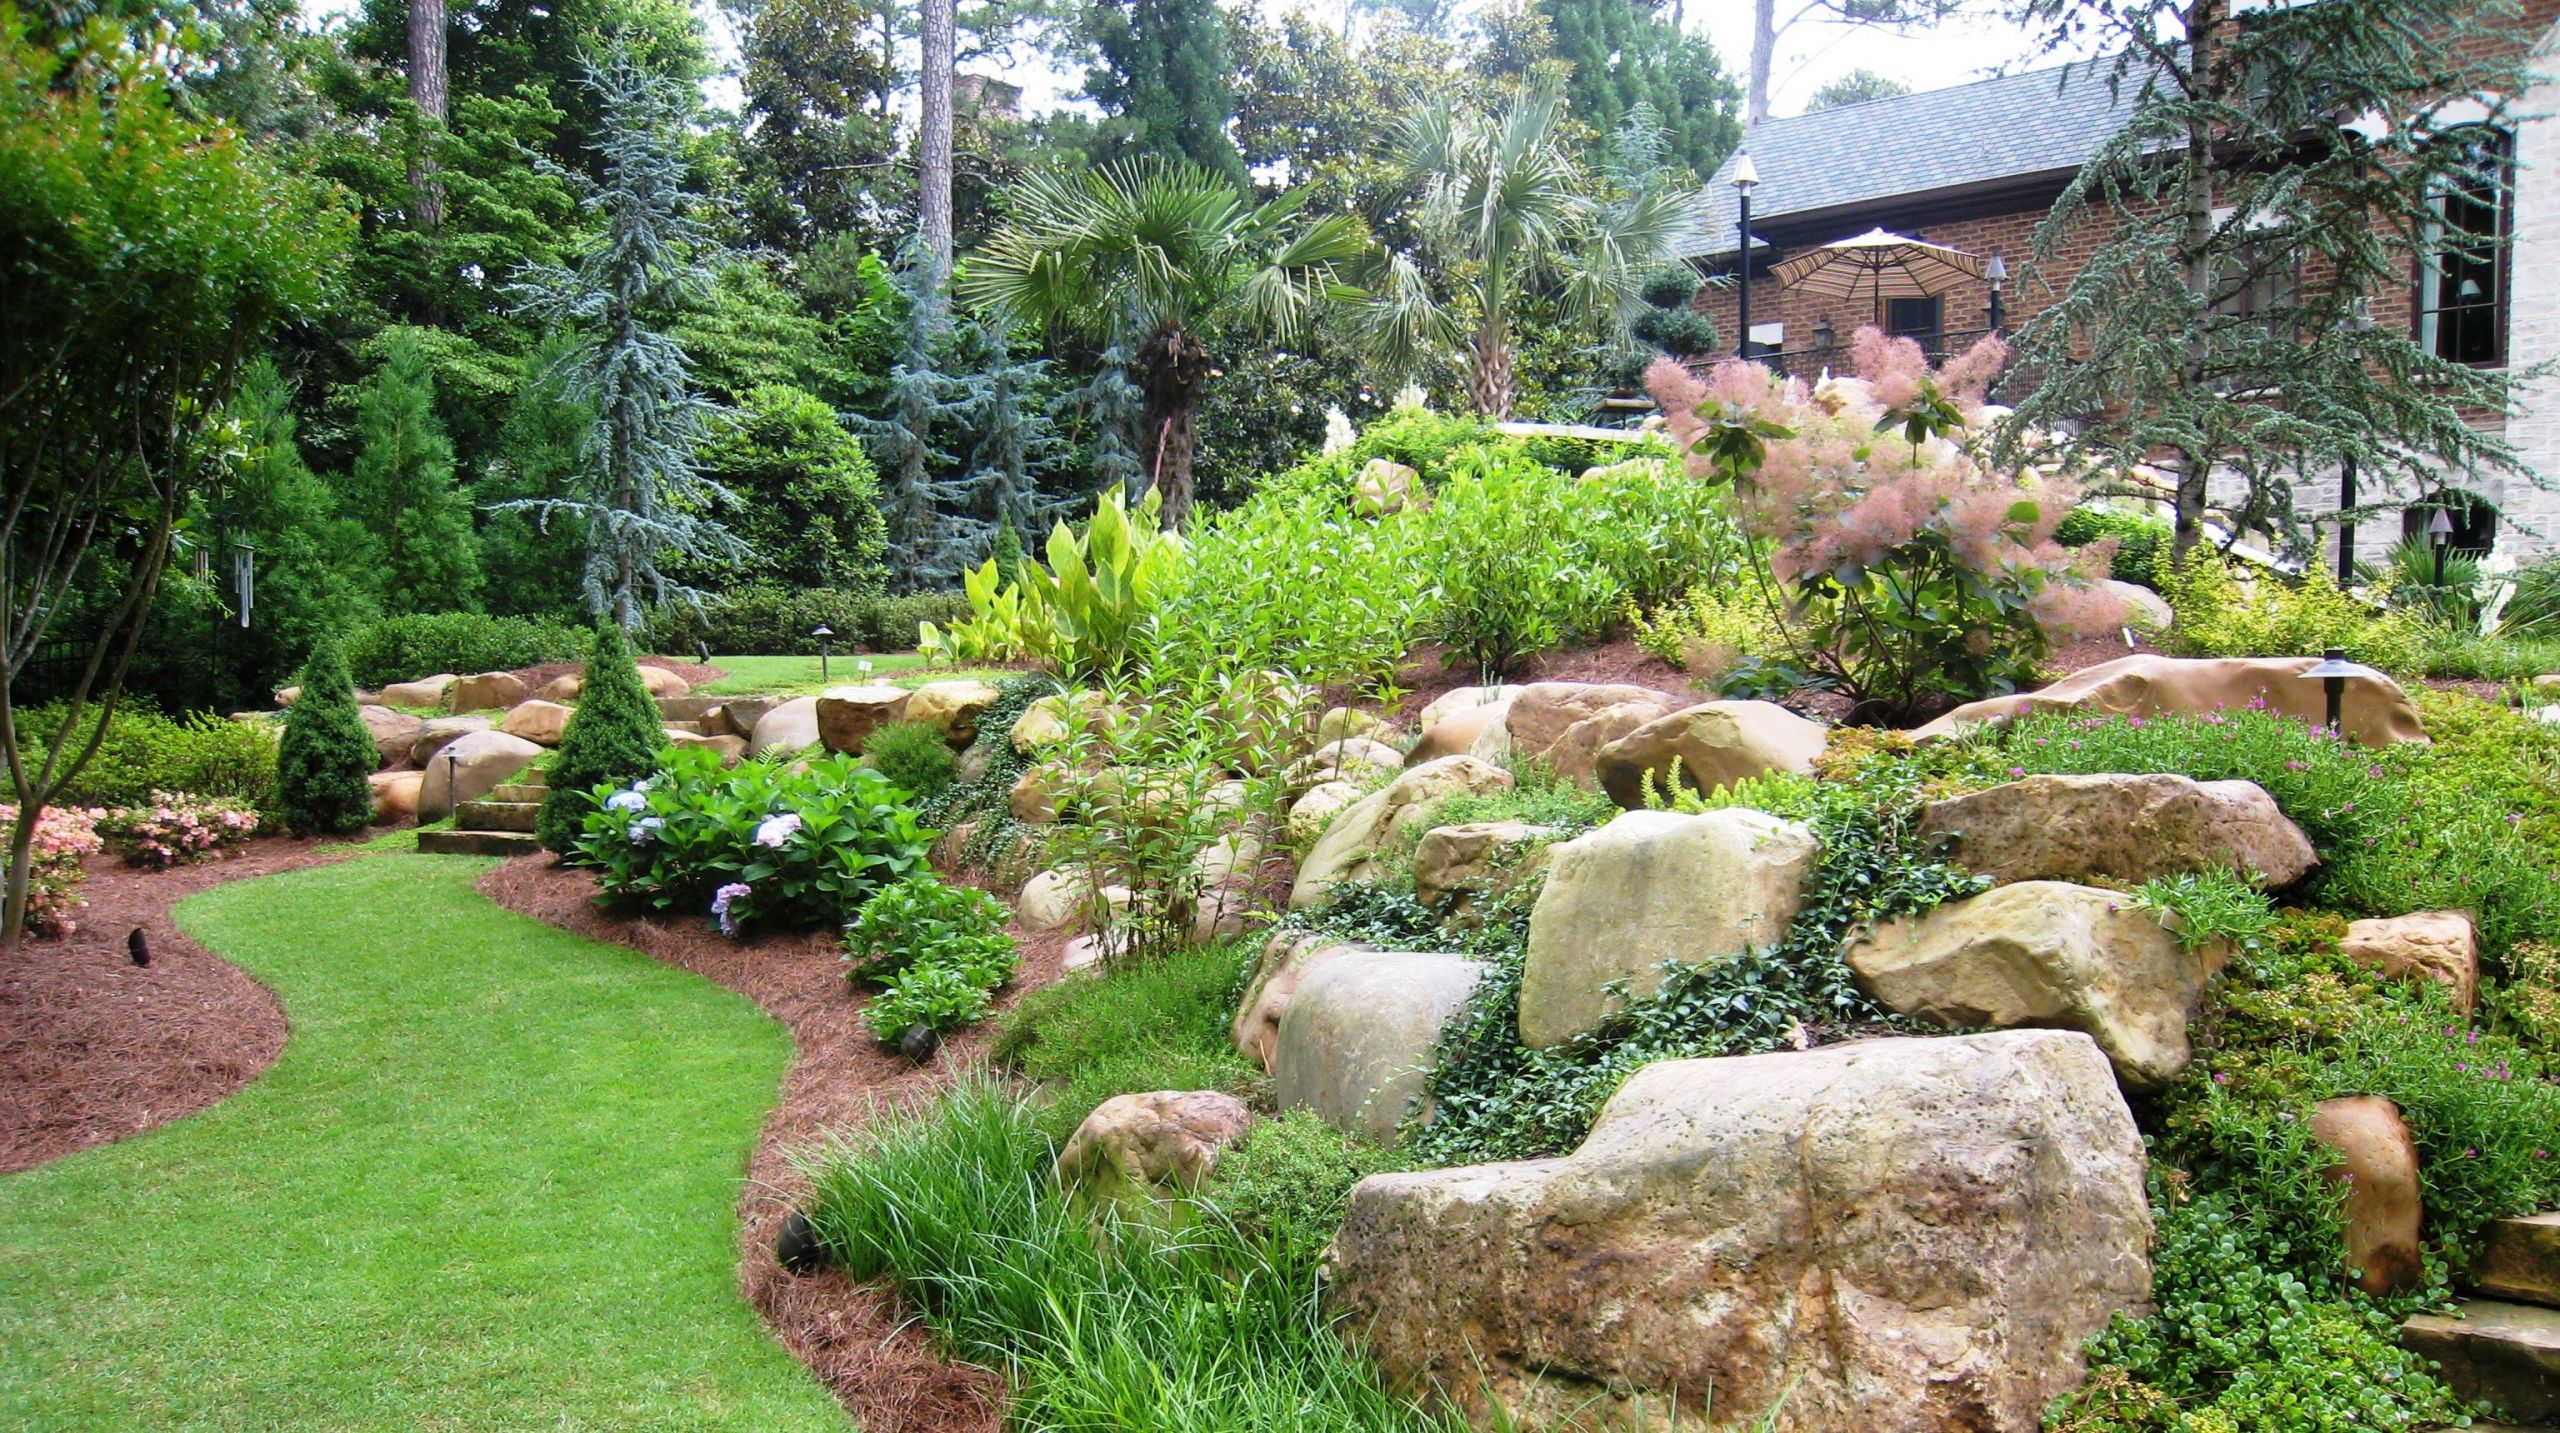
(2462, 284)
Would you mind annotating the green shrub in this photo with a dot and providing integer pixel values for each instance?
(1707, 632)
(1508, 586)
(760, 844)
(2534, 609)
(2217, 617)
(913, 755)
(326, 753)
(2203, 907)
(612, 740)
(143, 752)
(401, 649)
(941, 998)
(2139, 540)
(1083, 609)
(1154, 1026)
(1288, 1180)
(921, 921)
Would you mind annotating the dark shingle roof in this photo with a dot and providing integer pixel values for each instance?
(2041, 122)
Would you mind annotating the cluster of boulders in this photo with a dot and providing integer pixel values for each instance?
(1912, 1233)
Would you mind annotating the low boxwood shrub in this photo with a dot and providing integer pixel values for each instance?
(326, 754)
(759, 846)
(401, 649)
(2139, 540)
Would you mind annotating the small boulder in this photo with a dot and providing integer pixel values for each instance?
(1359, 1037)
(789, 727)
(1459, 861)
(1046, 722)
(2052, 954)
(287, 696)
(424, 694)
(394, 733)
(1459, 699)
(1715, 744)
(1355, 759)
(2375, 711)
(732, 749)
(436, 732)
(566, 687)
(1137, 1150)
(1544, 711)
(2442, 946)
(1385, 486)
(1915, 1235)
(1340, 722)
(1648, 887)
(953, 707)
(1348, 849)
(485, 691)
(469, 768)
(847, 716)
(1059, 898)
(537, 721)
(662, 683)
(1286, 959)
(2118, 827)
(1575, 755)
(742, 713)
(2144, 609)
(1310, 814)
(1482, 732)
(2377, 1163)
(395, 795)
(1030, 801)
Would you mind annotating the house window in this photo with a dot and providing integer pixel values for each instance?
(2474, 518)
(2462, 282)
(1923, 321)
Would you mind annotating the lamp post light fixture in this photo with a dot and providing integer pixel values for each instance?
(453, 784)
(1997, 271)
(822, 632)
(1826, 339)
(2440, 537)
(1746, 177)
(2358, 319)
(2333, 669)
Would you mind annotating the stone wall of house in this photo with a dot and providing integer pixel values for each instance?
(2532, 525)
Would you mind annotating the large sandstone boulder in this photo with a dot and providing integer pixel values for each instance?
(1349, 847)
(731, 749)
(540, 722)
(1648, 887)
(424, 694)
(847, 716)
(2442, 946)
(1909, 1235)
(1353, 758)
(1137, 1150)
(1359, 1037)
(1545, 711)
(954, 707)
(742, 713)
(486, 691)
(2047, 953)
(469, 768)
(1310, 814)
(1054, 718)
(662, 683)
(2375, 711)
(566, 687)
(394, 733)
(1575, 755)
(1459, 699)
(436, 732)
(395, 795)
(1286, 959)
(2383, 1202)
(789, 727)
(2118, 827)
(1482, 732)
(1459, 861)
(1715, 743)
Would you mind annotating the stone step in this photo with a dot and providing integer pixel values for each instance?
(519, 791)
(689, 728)
(477, 843)
(688, 708)
(2506, 1354)
(497, 816)
(2520, 1260)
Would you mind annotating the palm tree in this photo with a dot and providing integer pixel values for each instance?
(1504, 209)
(1164, 258)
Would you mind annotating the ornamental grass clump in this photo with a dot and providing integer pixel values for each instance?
(613, 739)
(326, 755)
(1899, 567)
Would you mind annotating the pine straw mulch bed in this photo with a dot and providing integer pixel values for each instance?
(95, 1049)
(854, 1336)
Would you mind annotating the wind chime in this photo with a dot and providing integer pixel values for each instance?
(244, 577)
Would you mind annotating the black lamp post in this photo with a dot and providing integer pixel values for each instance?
(453, 784)
(822, 632)
(2333, 669)
(1997, 271)
(2346, 526)
(1746, 177)
(2440, 537)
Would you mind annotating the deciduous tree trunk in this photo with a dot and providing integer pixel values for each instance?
(1764, 47)
(427, 92)
(933, 141)
(1173, 365)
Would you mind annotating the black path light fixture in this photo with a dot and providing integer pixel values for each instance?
(1997, 272)
(2358, 320)
(1746, 177)
(2440, 537)
(2333, 670)
(824, 634)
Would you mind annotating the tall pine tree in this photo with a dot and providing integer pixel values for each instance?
(424, 555)
(637, 488)
(1626, 54)
(1163, 80)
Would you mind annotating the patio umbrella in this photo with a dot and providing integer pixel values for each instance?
(1880, 265)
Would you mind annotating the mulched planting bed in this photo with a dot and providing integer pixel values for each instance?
(853, 1335)
(94, 1049)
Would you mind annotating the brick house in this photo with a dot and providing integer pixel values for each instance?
(1978, 166)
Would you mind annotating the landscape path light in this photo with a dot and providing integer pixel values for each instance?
(822, 632)
(1746, 177)
(2440, 536)
(2333, 669)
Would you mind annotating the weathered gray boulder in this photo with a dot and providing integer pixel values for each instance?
(847, 716)
(1648, 887)
(1138, 1150)
(486, 691)
(742, 713)
(1455, 861)
(470, 767)
(1053, 718)
(1906, 1235)
(2115, 826)
(2442, 946)
(1714, 743)
(2047, 953)
(1349, 847)
(394, 733)
(791, 726)
(953, 706)
(1286, 959)
(2144, 609)
(1359, 1037)
(1310, 814)
(1545, 711)
(1575, 755)
(2376, 712)
(436, 732)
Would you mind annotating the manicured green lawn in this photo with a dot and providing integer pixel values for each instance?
(490, 1184)
(798, 676)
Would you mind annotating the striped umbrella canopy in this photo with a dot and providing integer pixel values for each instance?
(1880, 266)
